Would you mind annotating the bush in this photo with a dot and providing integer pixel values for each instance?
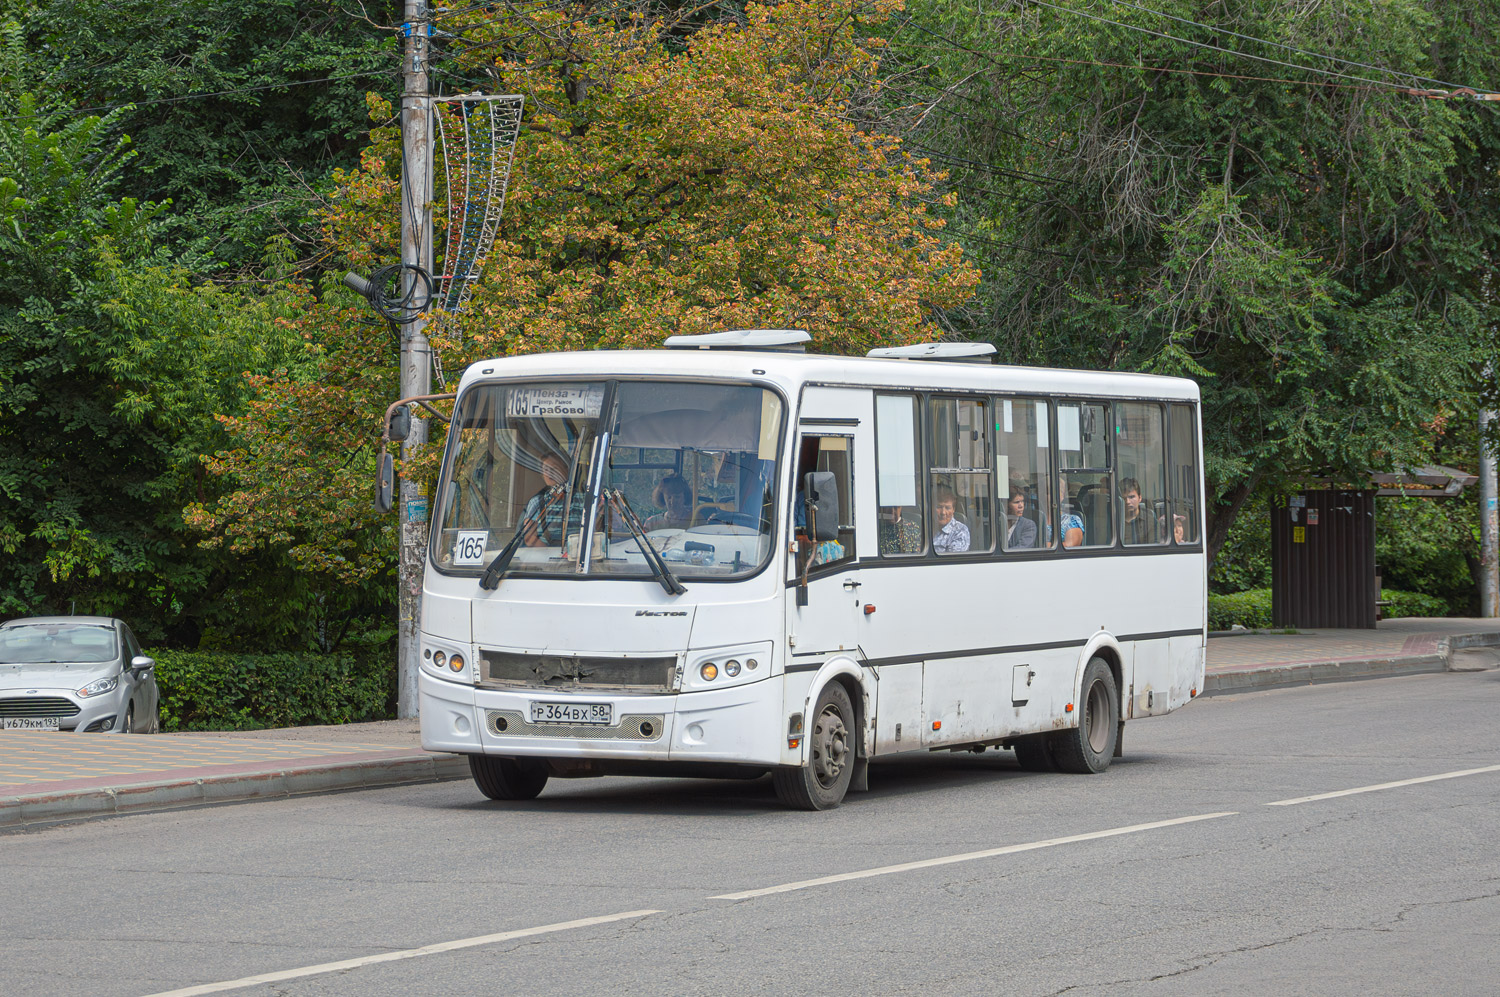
(1251, 610)
(212, 690)
(1411, 604)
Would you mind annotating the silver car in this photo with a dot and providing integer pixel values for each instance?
(83, 673)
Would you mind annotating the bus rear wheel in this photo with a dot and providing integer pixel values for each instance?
(1088, 747)
(1034, 753)
(508, 778)
(823, 781)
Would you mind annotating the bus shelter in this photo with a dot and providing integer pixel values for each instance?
(1323, 571)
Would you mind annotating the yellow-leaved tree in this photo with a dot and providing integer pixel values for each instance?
(676, 172)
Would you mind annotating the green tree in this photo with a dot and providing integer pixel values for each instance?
(241, 109)
(115, 364)
(1310, 248)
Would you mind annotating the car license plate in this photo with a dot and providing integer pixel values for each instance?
(30, 723)
(572, 713)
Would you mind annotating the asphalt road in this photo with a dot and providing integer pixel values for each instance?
(1227, 889)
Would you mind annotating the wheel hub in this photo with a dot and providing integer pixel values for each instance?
(830, 747)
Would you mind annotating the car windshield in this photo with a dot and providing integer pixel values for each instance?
(690, 465)
(55, 643)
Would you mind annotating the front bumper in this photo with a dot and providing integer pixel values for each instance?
(735, 724)
(92, 712)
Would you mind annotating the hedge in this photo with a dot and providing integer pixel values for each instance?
(1251, 609)
(214, 690)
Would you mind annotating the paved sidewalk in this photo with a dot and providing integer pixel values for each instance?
(46, 777)
(1262, 660)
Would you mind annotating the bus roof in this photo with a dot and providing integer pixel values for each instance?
(792, 370)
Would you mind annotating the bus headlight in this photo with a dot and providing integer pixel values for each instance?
(720, 667)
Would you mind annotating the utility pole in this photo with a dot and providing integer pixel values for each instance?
(416, 354)
(1489, 518)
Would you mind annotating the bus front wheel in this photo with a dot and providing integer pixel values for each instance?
(822, 782)
(508, 778)
(1089, 746)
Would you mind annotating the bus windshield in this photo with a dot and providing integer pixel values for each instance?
(580, 467)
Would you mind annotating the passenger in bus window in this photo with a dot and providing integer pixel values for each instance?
(898, 535)
(1138, 527)
(675, 497)
(949, 536)
(1022, 533)
(1179, 529)
(1071, 527)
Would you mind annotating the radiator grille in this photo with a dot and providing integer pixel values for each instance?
(556, 671)
(38, 706)
(634, 727)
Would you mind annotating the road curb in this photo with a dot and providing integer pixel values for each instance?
(1250, 678)
(278, 781)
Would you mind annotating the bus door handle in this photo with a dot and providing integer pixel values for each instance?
(850, 584)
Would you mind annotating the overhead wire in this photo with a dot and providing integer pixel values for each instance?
(1290, 48)
(1216, 48)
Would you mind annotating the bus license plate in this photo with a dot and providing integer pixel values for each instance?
(30, 723)
(572, 713)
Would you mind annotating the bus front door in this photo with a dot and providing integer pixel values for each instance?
(823, 617)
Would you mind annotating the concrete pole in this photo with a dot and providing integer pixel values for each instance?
(1489, 520)
(416, 359)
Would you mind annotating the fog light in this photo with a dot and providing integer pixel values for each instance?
(709, 671)
(438, 657)
(731, 668)
(107, 724)
(456, 662)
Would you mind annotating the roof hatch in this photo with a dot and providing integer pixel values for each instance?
(963, 352)
(779, 340)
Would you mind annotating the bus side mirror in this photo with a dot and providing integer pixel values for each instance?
(822, 494)
(385, 481)
(400, 425)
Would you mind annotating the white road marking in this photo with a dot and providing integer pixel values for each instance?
(1385, 785)
(435, 949)
(886, 870)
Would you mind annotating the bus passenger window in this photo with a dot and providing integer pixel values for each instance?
(1140, 457)
(1184, 475)
(1023, 462)
(1086, 495)
(902, 527)
(960, 471)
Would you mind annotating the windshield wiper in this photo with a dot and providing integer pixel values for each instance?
(649, 552)
(490, 580)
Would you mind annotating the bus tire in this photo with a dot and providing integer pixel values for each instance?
(508, 778)
(823, 781)
(1088, 747)
(1034, 753)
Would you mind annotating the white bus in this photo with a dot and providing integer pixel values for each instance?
(731, 557)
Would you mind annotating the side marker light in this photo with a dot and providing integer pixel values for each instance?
(1068, 708)
(937, 725)
(794, 742)
(869, 608)
(1193, 693)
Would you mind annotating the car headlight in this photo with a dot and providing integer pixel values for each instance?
(100, 687)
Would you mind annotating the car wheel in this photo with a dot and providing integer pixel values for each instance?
(129, 726)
